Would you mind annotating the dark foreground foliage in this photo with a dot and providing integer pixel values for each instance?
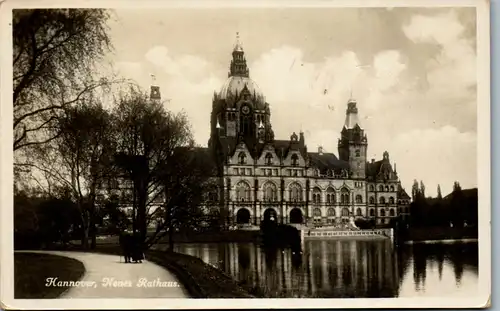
(31, 271)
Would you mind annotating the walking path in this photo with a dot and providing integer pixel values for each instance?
(107, 276)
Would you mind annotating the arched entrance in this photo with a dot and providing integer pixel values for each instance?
(296, 216)
(270, 215)
(243, 216)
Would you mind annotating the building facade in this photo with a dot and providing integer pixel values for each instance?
(262, 177)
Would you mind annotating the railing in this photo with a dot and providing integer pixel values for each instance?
(348, 233)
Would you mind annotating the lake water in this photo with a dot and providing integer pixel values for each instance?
(347, 268)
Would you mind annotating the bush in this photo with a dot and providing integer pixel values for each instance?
(365, 223)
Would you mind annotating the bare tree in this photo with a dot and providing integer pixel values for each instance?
(55, 52)
(148, 137)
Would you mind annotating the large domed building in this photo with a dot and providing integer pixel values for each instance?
(261, 177)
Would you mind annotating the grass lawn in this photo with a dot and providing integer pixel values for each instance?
(31, 271)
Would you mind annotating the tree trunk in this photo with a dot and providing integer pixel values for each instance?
(93, 233)
(171, 237)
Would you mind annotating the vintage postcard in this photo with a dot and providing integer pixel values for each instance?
(245, 154)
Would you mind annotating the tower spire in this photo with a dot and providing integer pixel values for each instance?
(155, 89)
(238, 66)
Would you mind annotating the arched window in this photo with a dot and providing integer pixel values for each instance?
(359, 199)
(242, 158)
(381, 200)
(344, 196)
(316, 195)
(372, 212)
(391, 200)
(358, 153)
(386, 188)
(330, 196)
(382, 213)
(372, 188)
(391, 212)
(331, 212)
(317, 212)
(392, 188)
(372, 200)
(295, 193)
(380, 188)
(358, 212)
(269, 159)
(345, 212)
(242, 191)
(295, 159)
(270, 192)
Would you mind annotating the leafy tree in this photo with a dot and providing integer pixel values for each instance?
(78, 159)
(54, 57)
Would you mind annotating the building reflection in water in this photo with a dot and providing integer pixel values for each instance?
(328, 268)
(345, 268)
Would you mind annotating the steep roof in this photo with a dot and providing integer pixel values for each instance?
(402, 193)
(324, 161)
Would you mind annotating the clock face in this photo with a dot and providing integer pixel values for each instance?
(245, 109)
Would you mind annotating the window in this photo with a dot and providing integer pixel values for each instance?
(372, 188)
(270, 192)
(345, 212)
(316, 195)
(295, 193)
(358, 212)
(213, 196)
(386, 188)
(372, 212)
(381, 200)
(331, 212)
(330, 196)
(242, 158)
(359, 199)
(382, 213)
(242, 192)
(380, 188)
(269, 159)
(391, 212)
(372, 200)
(344, 196)
(295, 159)
(317, 212)
(391, 200)
(392, 188)
(358, 153)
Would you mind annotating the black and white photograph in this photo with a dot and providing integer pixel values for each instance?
(153, 154)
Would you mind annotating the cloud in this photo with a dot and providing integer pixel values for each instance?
(452, 72)
(436, 156)
(422, 109)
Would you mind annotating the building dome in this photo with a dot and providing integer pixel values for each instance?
(235, 85)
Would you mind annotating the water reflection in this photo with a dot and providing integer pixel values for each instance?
(345, 268)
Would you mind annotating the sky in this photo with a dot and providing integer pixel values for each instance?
(412, 72)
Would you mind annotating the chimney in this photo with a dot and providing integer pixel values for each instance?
(320, 150)
(373, 160)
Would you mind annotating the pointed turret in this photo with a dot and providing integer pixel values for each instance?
(353, 143)
(238, 66)
(351, 117)
(155, 90)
